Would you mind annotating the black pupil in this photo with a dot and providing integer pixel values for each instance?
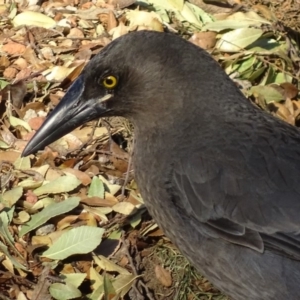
(109, 81)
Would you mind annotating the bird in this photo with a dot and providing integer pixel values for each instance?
(219, 175)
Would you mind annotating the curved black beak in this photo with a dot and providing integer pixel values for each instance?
(72, 111)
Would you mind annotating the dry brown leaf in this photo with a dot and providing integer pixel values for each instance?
(97, 201)
(10, 73)
(55, 98)
(83, 177)
(92, 171)
(66, 43)
(32, 59)
(67, 269)
(211, 8)
(66, 221)
(284, 113)
(41, 240)
(13, 48)
(77, 68)
(75, 33)
(123, 261)
(103, 19)
(7, 136)
(20, 62)
(89, 219)
(124, 208)
(4, 61)
(156, 233)
(119, 4)
(119, 31)
(84, 54)
(69, 163)
(31, 197)
(163, 276)
(47, 53)
(26, 137)
(289, 105)
(110, 197)
(23, 74)
(264, 11)
(36, 122)
(87, 5)
(84, 133)
(73, 141)
(290, 91)
(111, 21)
(150, 20)
(133, 200)
(91, 13)
(57, 73)
(10, 156)
(205, 40)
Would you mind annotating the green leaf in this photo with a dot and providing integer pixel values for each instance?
(62, 291)
(4, 250)
(3, 145)
(75, 279)
(18, 122)
(96, 188)
(9, 198)
(109, 291)
(258, 72)
(136, 219)
(80, 240)
(162, 13)
(203, 16)
(169, 4)
(265, 45)
(269, 77)
(282, 77)
(22, 163)
(236, 21)
(246, 64)
(3, 84)
(238, 39)
(97, 294)
(49, 212)
(4, 232)
(108, 265)
(268, 93)
(189, 15)
(123, 283)
(62, 184)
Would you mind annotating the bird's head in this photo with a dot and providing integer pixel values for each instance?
(144, 76)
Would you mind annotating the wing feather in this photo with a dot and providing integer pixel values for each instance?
(249, 196)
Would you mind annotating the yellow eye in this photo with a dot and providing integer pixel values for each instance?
(110, 82)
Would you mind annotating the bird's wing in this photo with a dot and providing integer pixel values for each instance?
(247, 193)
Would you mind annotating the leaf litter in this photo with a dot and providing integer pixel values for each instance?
(73, 224)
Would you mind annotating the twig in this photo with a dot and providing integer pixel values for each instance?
(29, 76)
(127, 173)
(139, 282)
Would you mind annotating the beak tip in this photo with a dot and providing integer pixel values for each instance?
(28, 150)
(25, 152)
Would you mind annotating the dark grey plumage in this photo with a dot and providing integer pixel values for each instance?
(220, 176)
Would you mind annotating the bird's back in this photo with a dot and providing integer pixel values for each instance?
(230, 202)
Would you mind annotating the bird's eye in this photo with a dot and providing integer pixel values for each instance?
(110, 82)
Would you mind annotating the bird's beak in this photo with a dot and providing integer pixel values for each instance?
(72, 111)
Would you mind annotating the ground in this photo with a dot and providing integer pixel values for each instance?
(81, 190)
